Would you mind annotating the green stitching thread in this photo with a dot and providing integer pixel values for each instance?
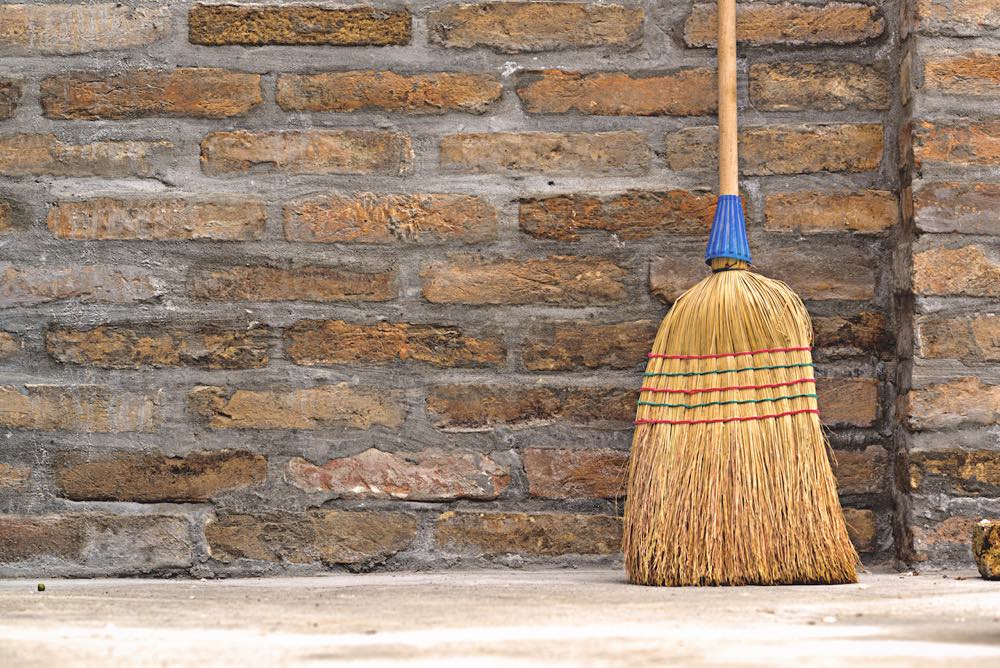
(723, 403)
(749, 368)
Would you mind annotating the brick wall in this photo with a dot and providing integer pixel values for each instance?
(297, 286)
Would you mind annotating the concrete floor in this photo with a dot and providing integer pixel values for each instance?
(497, 618)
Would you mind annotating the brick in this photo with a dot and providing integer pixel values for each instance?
(27, 285)
(824, 86)
(519, 27)
(310, 283)
(426, 475)
(7, 216)
(431, 93)
(636, 214)
(620, 152)
(327, 537)
(969, 271)
(986, 548)
(484, 407)
(956, 472)
(370, 218)
(10, 345)
(761, 24)
(303, 25)
(197, 92)
(575, 474)
(861, 529)
(866, 211)
(13, 477)
(46, 155)
(312, 408)
(77, 408)
(565, 280)
(964, 18)
(65, 29)
(155, 478)
(541, 534)
(975, 74)
(327, 342)
(568, 345)
(848, 401)
(863, 333)
(951, 206)
(307, 152)
(158, 219)
(688, 92)
(10, 96)
(136, 346)
(962, 401)
(959, 143)
(862, 471)
(24, 537)
(944, 538)
(973, 338)
(782, 149)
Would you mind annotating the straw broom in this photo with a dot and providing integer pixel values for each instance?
(729, 481)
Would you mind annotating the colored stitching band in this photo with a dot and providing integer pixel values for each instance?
(731, 387)
(724, 403)
(650, 374)
(732, 419)
(712, 357)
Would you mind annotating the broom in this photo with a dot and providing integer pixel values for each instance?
(729, 481)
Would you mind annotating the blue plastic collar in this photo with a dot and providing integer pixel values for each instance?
(728, 238)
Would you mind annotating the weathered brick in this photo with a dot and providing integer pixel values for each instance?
(307, 152)
(963, 401)
(46, 155)
(969, 271)
(77, 408)
(848, 401)
(134, 346)
(861, 528)
(975, 74)
(866, 211)
(155, 478)
(25, 285)
(760, 24)
(826, 86)
(158, 219)
(78, 28)
(568, 280)
(517, 27)
(862, 471)
(574, 153)
(308, 283)
(486, 407)
(431, 93)
(636, 214)
(199, 92)
(13, 477)
(369, 218)
(310, 408)
(956, 472)
(10, 96)
(957, 17)
(863, 333)
(327, 537)
(957, 143)
(548, 534)
(943, 539)
(10, 345)
(7, 224)
(964, 207)
(688, 92)
(972, 338)
(577, 473)
(425, 475)
(986, 548)
(566, 345)
(24, 537)
(257, 25)
(326, 342)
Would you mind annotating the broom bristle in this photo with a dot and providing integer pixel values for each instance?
(729, 478)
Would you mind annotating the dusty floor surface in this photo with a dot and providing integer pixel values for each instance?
(497, 618)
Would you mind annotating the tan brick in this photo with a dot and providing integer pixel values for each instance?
(310, 408)
(975, 73)
(326, 342)
(198, 92)
(959, 472)
(308, 283)
(327, 537)
(307, 152)
(46, 155)
(426, 475)
(637, 214)
(77, 408)
(959, 143)
(548, 534)
(33, 29)
(974, 338)
(158, 219)
(134, 346)
(689, 92)
(485, 407)
(574, 153)
(957, 17)
(574, 474)
(826, 86)
(760, 24)
(26, 285)
(257, 25)
(862, 471)
(568, 280)
(861, 528)
(866, 211)
(964, 207)
(568, 345)
(963, 401)
(848, 401)
(863, 333)
(155, 478)
(10, 96)
(51, 537)
(10, 345)
(517, 27)
(986, 548)
(783, 149)
(431, 93)
(7, 224)
(968, 271)
(13, 477)
(370, 218)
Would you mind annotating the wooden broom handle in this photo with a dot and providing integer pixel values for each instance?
(729, 179)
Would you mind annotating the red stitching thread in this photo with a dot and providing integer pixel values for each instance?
(732, 419)
(731, 387)
(712, 357)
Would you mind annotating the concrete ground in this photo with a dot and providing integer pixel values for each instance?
(497, 618)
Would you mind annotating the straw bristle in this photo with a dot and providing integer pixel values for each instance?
(714, 499)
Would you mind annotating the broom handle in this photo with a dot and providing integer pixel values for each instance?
(729, 180)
